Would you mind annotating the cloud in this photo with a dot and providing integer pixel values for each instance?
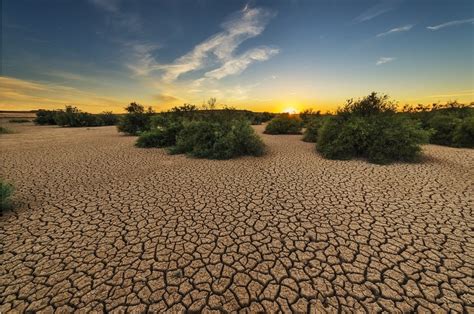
(240, 63)
(22, 94)
(378, 9)
(384, 60)
(405, 28)
(165, 99)
(451, 23)
(142, 55)
(123, 21)
(245, 24)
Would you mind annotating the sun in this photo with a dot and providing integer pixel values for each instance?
(290, 110)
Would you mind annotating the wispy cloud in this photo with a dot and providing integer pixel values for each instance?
(245, 24)
(238, 64)
(400, 29)
(142, 60)
(378, 9)
(451, 23)
(117, 18)
(384, 60)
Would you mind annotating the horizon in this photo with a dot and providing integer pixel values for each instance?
(100, 55)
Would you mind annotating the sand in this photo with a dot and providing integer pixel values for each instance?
(101, 225)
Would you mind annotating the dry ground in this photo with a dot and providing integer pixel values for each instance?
(103, 226)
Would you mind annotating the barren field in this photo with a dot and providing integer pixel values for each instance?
(100, 225)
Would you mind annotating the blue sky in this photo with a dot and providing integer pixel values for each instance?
(259, 55)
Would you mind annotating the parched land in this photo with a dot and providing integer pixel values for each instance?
(100, 225)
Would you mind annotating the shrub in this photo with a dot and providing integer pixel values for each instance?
(312, 129)
(463, 135)
(309, 115)
(136, 120)
(163, 136)
(4, 130)
(443, 126)
(19, 120)
(218, 140)
(45, 117)
(73, 117)
(6, 191)
(369, 128)
(284, 124)
(107, 118)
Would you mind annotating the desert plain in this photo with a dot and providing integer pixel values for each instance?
(102, 226)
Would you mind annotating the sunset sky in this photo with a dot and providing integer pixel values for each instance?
(258, 55)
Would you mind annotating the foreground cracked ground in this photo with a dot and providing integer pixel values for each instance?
(100, 225)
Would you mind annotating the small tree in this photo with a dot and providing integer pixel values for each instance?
(136, 120)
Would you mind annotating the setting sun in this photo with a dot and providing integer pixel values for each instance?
(290, 110)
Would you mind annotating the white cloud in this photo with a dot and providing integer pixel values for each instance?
(247, 23)
(107, 5)
(451, 23)
(240, 63)
(405, 28)
(379, 9)
(143, 61)
(384, 60)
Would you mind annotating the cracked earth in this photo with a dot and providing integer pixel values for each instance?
(102, 226)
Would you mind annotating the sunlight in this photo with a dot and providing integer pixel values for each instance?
(290, 110)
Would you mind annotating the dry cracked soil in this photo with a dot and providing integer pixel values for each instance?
(102, 226)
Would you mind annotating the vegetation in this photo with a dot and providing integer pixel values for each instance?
(450, 124)
(19, 120)
(309, 115)
(6, 191)
(313, 126)
(371, 129)
(4, 130)
(136, 121)
(218, 140)
(73, 117)
(284, 124)
(213, 134)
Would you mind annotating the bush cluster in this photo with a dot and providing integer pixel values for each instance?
(6, 191)
(213, 134)
(370, 128)
(450, 124)
(313, 126)
(73, 117)
(19, 120)
(284, 124)
(136, 121)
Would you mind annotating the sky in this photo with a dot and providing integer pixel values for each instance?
(261, 55)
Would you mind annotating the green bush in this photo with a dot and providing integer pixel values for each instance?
(136, 120)
(284, 124)
(443, 126)
(107, 118)
(313, 126)
(19, 120)
(6, 191)
(163, 136)
(369, 128)
(45, 117)
(218, 140)
(73, 117)
(463, 135)
(4, 130)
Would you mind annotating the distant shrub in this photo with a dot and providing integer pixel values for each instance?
(218, 140)
(4, 130)
(312, 129)
(463, 135)
(107, 118)
(19, 120)
(45, 117)
(73, 117)
(369, 128)
(6, 191)
(136, 120)
(309, 115)
(284, 124)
